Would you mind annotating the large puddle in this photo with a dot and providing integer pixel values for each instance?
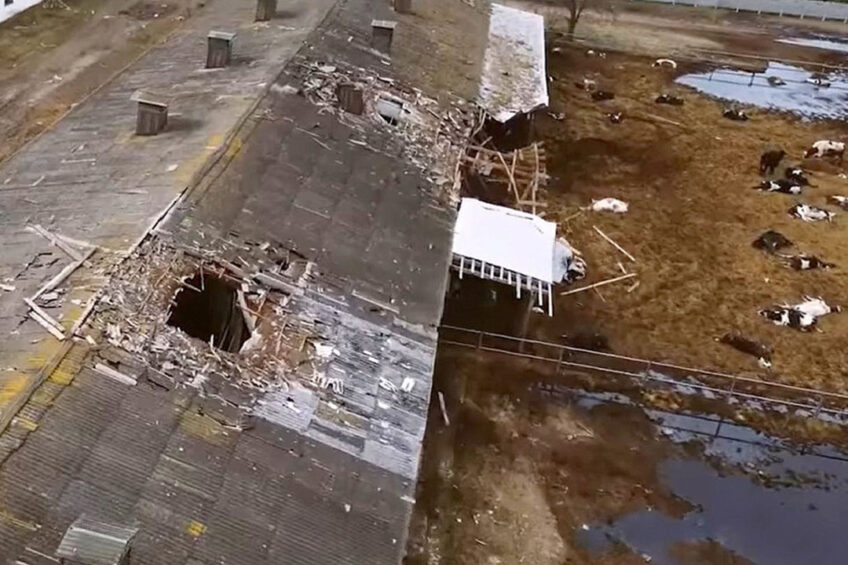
(827, 43)
(796, 95)
(758, 497)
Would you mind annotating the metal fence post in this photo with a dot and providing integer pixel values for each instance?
(479, 340)
(559, 360)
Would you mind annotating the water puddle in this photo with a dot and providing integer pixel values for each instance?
(781, 87)
(827, 43)
(764, 499)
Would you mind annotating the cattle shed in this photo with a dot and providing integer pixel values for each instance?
(510, 247)
(514, 84)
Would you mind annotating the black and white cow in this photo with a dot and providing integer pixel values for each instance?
(780, 185)
(770, 160)
(790, 317)
(669, 99)
(841, 201)
(807, 263)
(615, 117)
(797, 175)
(826, 148)
(735, 115)
(809, 213)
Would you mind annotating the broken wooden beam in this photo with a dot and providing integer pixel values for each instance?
(598, 284)
(614, 244)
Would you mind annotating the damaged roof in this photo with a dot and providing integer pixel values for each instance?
(515, 79)
(310, 457)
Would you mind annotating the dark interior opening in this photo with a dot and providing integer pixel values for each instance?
(213, 312)
(514, 134)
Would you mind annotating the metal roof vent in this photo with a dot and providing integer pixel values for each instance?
(94, 543)
(220, 49)
(152, 113)
(382, 32)
(265, 10)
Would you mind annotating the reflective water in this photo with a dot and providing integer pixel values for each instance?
(822, 42)
(760, 497)
(795, 95)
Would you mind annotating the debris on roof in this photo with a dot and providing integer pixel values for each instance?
(434, 135)
(514, 76)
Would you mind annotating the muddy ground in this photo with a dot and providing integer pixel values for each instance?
(693, 216)
(51, 58)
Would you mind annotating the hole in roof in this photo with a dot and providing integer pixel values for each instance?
(390, 110)
(210, 313)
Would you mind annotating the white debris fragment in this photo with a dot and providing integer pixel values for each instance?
(665, 63)
(386, 384)
(7, 287)
(172, 168)
(613, 205)
(324, 351)
(408, 384)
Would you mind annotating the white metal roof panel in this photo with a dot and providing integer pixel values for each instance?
(506, 238)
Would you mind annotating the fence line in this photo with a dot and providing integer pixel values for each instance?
(722, 385)
(814, 9)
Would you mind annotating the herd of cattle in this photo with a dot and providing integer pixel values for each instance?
(803, 316)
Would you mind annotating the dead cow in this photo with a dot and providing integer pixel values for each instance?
(790, 317)
(781, 185)
(761, 351)
(770, 160)
(807, 263)
(809, 213)
(772, 241)
(840, 200)
(601, 95)
(797, 175)
(735, 115)
(669, 99)
(825, 148)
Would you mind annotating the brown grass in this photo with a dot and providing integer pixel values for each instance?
(692, 220)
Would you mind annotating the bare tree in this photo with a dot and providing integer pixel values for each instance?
(575, 10)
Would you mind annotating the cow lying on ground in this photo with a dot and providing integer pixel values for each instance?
(825, 148)
(776, 81)
(803, 316)
(780, 185)
(772, 241)
(809, 213)
(818, 81)
(669, 99)
(807, 263)
(615, 117)
(735, 115)
(783, 316)
(797, 175)
(600, 95)
(840, 201)
(761, 351)
(770, 160)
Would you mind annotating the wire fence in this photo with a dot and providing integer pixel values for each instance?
(814, 9)
(805, 401)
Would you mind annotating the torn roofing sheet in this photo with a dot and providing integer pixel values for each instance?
(514, 78)
(504, 237)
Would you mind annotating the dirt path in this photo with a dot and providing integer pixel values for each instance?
(52, 58)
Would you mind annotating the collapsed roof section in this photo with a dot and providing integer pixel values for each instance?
(514, 77)
(512, 247)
